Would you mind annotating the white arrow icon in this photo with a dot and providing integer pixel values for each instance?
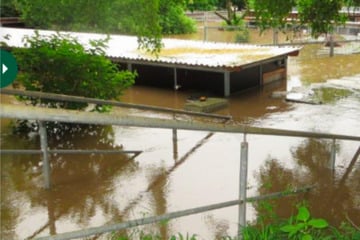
(4, 68)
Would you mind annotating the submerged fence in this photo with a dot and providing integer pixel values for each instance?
(350, 28)
(70, 116)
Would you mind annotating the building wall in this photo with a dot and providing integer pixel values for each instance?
(244, 79)
(212, 82)
(254, 76)
(163, 77)
(154, 76)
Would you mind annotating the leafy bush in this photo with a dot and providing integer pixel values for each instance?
(173, 20)
(302, 226)
(60, 64)
(203, 5)
(7, 9)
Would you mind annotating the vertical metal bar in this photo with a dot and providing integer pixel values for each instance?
(175, 145)
(226, 84)
(129, 67)
(332, 155)
(331, 45)
(261, 80)
(44, 149)
(242, 186)
(205, 26)
(275, 36)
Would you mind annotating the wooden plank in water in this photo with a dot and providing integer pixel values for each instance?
(209, 105)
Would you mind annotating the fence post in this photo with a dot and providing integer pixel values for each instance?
(45, 158)
(175, 145)
(332, 45)
(205, 26)
(242, 186)
(332, 155)
(275, 36)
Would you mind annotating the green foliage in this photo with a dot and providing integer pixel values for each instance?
(148, 19)
(240, 4)
(304, 227)
(60, 64)
(242, 36)
(271, 14)
(269, 226)
(150, 236)
(203, 5)
(173, 19)
(346, 232)
(353, 3)
(207, 5)
(7, 9)
(320, 15)
(299, 227)
(132, 17)
(242, 32)
(110, 16)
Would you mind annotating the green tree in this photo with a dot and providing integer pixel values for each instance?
(204, 5)
(173, 19)
(240, 4)
(60, 64)
(272, 14)
(353, 3)
(110, 16)
(7, 9)
(213, 4)
(148, 19)
(319, 15)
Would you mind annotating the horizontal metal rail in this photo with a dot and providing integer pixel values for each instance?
(72, 116)
(309, 43)
(148, 220)
(61, 97)
(67, 151)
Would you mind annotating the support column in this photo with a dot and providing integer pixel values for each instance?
(45, 155)
(176, 86)
(242, 186)
(332, 45)
(129, 67)
(261, 82)
(226, 84)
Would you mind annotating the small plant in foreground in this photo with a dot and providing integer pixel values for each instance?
(304, 227)
(151, 236)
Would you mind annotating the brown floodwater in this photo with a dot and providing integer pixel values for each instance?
(198, 168)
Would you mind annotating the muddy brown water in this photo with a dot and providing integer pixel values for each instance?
(197, 169)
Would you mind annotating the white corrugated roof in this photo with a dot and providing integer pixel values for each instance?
(175, 51)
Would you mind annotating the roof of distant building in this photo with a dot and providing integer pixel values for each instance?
(174, 52)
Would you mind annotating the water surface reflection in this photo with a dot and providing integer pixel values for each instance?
(335, 195)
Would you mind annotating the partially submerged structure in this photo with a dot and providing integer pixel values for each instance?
(222, 68)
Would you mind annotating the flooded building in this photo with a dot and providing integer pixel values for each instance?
(220, 68)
